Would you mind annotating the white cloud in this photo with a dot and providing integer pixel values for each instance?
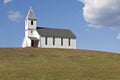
(15, 16)
(118, 36)
(102, 13)
(7, 1)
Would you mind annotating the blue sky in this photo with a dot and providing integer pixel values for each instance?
(95, 23)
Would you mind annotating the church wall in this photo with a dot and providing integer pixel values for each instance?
(57, 43)
(49, 42)
(26, 42)
(73, 43)
(32, 33)
(42, 41)
(65, 43)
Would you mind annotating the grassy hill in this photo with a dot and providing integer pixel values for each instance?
(58, 64)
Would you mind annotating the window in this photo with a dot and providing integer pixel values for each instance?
(61, 41)
(69, 41)
(46, 40)
(32, 22)
(53, 40)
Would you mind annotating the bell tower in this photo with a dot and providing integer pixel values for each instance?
(31, 20)
(31, 38)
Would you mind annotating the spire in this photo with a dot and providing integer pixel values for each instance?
(30, 14)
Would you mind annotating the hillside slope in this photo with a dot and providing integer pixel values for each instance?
(58, 64)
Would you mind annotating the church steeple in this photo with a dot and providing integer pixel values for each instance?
(30, 14)
(31, 20)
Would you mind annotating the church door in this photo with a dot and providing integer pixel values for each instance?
(34, 43)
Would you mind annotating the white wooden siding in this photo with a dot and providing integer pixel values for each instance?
(29, 26)
(57, 43)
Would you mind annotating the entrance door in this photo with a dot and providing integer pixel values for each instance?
(34, 43)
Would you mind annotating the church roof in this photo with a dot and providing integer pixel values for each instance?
(31, 15)
(53, 32)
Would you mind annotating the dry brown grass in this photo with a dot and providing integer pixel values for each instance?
(58, 64)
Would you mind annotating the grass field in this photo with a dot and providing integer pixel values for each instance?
(58, 64)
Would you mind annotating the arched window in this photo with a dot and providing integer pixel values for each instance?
(32, 22)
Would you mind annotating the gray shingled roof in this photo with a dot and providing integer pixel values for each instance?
(52, 32)
(30, 14)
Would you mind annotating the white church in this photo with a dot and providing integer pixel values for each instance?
(42, 37)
